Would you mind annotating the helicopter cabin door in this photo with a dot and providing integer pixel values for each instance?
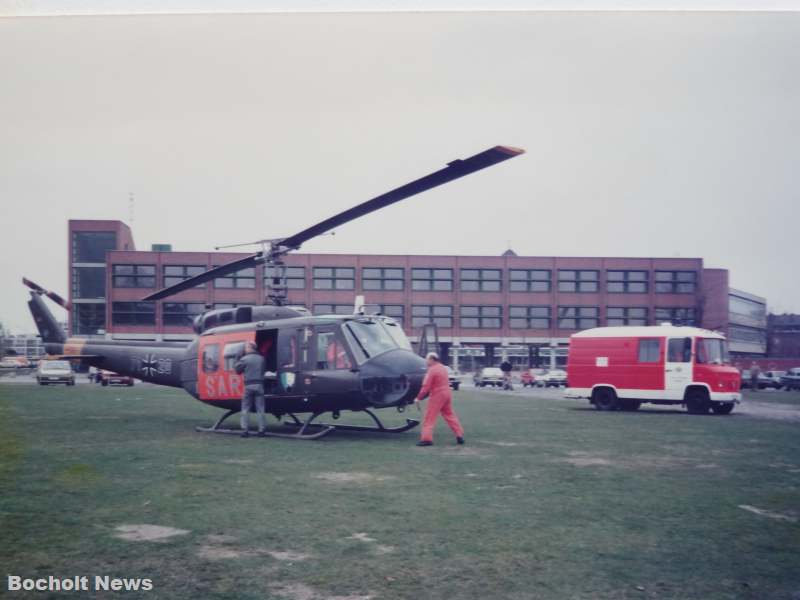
(331, 366)
(216, 378)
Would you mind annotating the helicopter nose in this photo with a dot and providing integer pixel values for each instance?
(392, 378)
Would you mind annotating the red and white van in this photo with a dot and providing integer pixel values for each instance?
(618, 368)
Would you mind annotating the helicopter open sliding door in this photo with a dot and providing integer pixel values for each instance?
(217, 355)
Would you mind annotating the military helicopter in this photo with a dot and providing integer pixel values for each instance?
(314, 364)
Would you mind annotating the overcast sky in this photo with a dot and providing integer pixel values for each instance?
(647, 134)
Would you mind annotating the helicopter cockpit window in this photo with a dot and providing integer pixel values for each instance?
(370, 337)
(211, 358)
(233, 352)
(331, 353)
(397, 333)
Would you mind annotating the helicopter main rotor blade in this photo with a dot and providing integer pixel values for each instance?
(187, 284)
(454, 170)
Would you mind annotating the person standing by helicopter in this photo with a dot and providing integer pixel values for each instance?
(437, 387)
(251, 366)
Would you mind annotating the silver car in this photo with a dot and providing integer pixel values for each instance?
(55, 371)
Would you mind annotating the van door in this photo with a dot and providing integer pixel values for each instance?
(677, 367)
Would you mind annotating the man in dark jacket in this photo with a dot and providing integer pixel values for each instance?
(251, 366)
(506, 367)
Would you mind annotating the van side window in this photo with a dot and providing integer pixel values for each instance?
(211, 358)
(649, 351)
(232, 353)
(679, 350)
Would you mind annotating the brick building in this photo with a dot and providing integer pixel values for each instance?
(485, 307)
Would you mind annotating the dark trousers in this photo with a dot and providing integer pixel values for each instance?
(253, 394)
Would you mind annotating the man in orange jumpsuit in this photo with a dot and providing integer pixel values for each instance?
(437, 386)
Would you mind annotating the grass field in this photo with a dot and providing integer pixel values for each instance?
(548, 500)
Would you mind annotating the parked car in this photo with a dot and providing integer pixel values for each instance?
(528, 379)
(55, 371)
(455, 382)
(764, 380)
(492, 376)
(774, 378)
(9, 362)
(791, 380)
(111, 378)
(553, 378)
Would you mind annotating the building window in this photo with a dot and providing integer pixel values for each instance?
(626, 282)
(749, 309)
(134, 276)
(649, 351)
(396, 311)
(91, 246)
(577, 281)
(88, 319)
(133, 313)
(333, 309)
(181, 314)
(676, 282)
(334, 278)
(529, 317)
(578, 317)
(229, 304)
(244, 279)
(626, 315)
(529, 280)
(481, 280)
(88, 282)
(432, 280)
(439, 315)
(676, 316)
(481, 317)
(174, 274)
(294, 277)
(373, 278)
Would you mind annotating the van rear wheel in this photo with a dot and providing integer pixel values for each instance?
(605, 399)
(697, 402)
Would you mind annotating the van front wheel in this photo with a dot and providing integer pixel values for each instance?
(605, 399)
(697, 402)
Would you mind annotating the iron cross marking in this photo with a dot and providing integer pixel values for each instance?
(149, 365)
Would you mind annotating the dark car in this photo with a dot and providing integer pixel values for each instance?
(791, 379)
(111, 378)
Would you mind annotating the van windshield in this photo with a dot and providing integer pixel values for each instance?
(712, 351)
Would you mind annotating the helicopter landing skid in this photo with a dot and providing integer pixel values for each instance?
(298, 435)
(379, 427)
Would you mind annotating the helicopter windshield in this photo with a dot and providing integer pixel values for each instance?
(397, 333)
(369, 338)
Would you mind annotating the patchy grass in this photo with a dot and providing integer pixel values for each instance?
(549, 499)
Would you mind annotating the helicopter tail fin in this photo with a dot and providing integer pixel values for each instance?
(46, 323)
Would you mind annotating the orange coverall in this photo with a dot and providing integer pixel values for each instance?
(437, 386)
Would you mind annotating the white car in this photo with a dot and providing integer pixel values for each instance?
(489, 376)
(55, 371)
(553, 378)
(9, 363)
